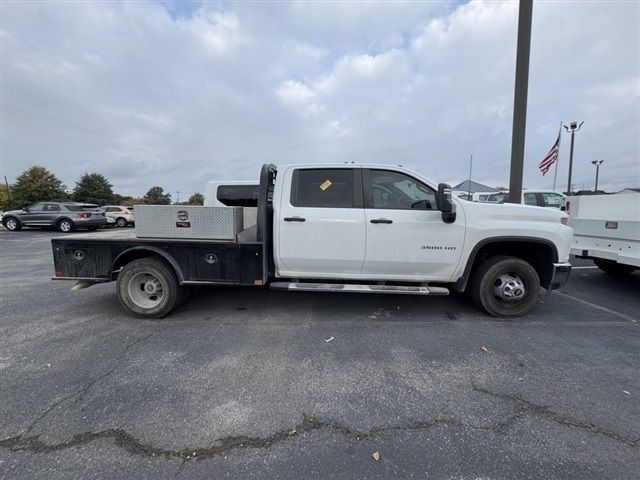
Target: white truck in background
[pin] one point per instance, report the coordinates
(234, 193)
(606, 230)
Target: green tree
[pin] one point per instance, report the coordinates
(4, 197)
(127, 200)
(93, 188)
(37, 184)
(156, 196)
(196, 199)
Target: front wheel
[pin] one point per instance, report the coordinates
(121, 222)
(12, 224)
(148, 288)
(505, 286)
(614, 268)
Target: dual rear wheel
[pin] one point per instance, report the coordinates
(149, 288)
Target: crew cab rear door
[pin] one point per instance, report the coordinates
(321, 225)
(406, 235)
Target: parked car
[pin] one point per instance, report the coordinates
(122, 215)
(65, 216)
(536, 198)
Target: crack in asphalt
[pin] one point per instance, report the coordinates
(82, 391)
(527, 407)
(123, 439)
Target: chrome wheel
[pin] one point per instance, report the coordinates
(11, 224)
(145, 290)
(121, 222)
(65, 226)
(509, 287)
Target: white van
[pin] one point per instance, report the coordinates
(234, 193)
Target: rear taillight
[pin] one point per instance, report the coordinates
(83, 215)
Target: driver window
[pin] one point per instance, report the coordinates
(395, 190)
(38, 207)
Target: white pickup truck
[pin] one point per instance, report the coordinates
(606, 230)
(342, 228)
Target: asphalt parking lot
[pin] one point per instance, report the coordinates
(244, 383)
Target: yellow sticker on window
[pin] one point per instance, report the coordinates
(326, 184)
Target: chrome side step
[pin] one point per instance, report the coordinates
(357, 288)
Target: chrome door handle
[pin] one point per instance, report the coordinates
(294, 219)
(381, 220)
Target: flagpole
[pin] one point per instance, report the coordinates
(470, 167)
(555, 172)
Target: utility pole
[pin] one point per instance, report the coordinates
(573, 128)
(597, 163)
(178, 200)
(8, 192)
(520, 100)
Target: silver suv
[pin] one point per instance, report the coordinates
(65, 216)
(122, 215)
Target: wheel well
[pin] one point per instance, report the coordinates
(60, 220)
(540, 255)
(137, 253)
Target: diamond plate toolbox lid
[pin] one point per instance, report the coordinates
(188, 221)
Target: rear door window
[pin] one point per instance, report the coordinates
(323, 188)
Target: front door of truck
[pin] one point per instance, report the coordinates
(321, 225)
(406, 235)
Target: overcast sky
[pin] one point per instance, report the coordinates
(176, 94)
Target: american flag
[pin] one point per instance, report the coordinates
(551, 157)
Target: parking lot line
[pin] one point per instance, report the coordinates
(599, 307)
(584, 268)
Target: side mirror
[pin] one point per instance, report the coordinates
(445, 203)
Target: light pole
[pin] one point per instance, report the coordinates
(523, 48)
(597, 163)
(573, 128)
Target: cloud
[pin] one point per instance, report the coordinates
(157, 94)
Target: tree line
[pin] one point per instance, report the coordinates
(37, 184)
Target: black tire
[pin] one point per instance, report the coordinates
(614, 268)
(121, 222)
(183, 296)
(65, 225)
(137, 298)
(12, 224)
(502, 276)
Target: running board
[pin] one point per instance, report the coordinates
(357, 288)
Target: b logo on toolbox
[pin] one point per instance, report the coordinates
(182, 222)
